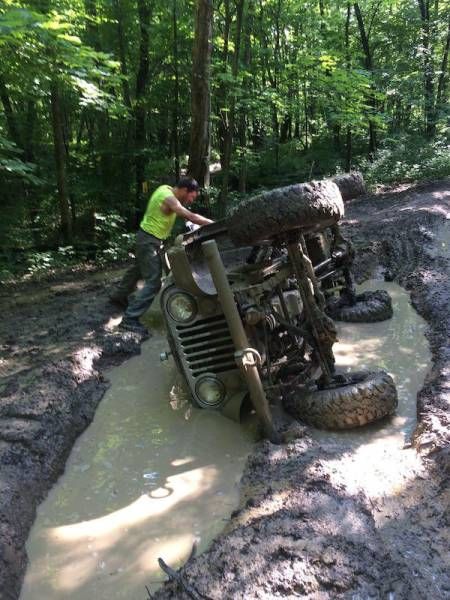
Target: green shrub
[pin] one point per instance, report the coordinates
(38, 263)
(112, 243)
(407, 159)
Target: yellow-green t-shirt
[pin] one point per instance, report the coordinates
(155, 221)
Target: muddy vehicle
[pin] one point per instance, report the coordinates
(246, 314)
(332, 257)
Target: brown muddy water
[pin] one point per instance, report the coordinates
(379, 460)
(151, 475)
(148, 478)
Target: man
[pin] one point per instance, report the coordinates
(165, 204)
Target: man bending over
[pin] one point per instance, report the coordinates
(165, 204)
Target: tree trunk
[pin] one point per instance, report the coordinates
(275, 123)
(305, 109)
(92, 35)
(175, 107)
(228, 146)
(122, 54)
(128, 127)
(32, 199)
(60, 163)
(348, 150)
(9, 114)
(348, 137)
(428, 71)
(441, 98)
(140, 113)
(223, 88)
(369, 66)
(199, 145)
(242, 113)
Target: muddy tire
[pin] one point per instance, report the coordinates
(304, 206)
(351, 185)
(370, 307)
(370, 397)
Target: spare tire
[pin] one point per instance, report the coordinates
(369, 307)
(370, 396)
(304, 206)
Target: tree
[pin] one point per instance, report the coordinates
(144, 12)
(229, 129)
(95, 106)
(199, 145)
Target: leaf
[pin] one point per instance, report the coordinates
(73, 39)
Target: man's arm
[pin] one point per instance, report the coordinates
(173, 205)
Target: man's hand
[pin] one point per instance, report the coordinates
(171, 204)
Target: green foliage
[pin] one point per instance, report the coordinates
(51, 45)
(112, 242)
(38, 263)
(408, 159)
(11, 165)
(303, 89)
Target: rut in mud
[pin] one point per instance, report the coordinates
(148, 477)
(304, 531)
(297, 531)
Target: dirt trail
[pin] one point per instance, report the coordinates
(299, 531)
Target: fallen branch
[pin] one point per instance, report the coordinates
(178, 577)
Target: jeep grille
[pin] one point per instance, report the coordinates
(207, 345)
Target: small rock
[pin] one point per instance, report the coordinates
(329, 557)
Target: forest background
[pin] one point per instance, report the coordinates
(103, 100)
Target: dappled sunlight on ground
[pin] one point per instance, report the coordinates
(113, 322)
(130, 538)
(146, 479)
(380, 468)
(190, 484)
(378, 461)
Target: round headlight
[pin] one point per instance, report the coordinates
(181, 307)
(210, 391)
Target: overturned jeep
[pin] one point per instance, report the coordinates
(246, 312)
(332, 257)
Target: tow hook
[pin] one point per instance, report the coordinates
(165, 355)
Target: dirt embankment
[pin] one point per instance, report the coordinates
(55, 340)
(300, 530)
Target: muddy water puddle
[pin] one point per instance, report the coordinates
(150, 475)
(378, 458)
(148, 478)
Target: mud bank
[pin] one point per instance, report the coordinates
(298, 532)
(55, 340)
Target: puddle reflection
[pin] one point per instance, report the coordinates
(143, 481)
(377, 460)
